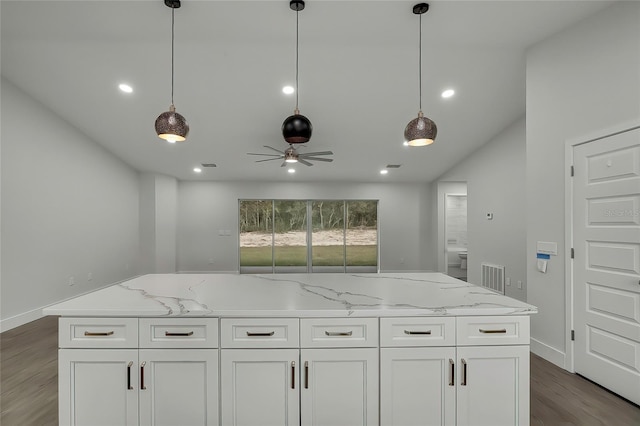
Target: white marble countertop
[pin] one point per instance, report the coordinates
(291, 295)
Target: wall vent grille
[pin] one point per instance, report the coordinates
(492, 277)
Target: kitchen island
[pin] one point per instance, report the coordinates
(289, 349)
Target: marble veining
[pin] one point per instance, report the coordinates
(292, 295)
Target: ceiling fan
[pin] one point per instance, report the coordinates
(291, 155)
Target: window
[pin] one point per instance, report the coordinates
(308, 236)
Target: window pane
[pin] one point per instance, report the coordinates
(362, 235)
(290, 236)
(256, 233)
(327, 238)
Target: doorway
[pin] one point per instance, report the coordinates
(452, 229)
(605, 271)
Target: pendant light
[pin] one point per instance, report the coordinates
(297, 128)
(420, 131)
(170, 125)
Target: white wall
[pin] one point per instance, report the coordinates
(495, 176)
(158, 222)
(582, 80)
(69, 209)
(205, 208)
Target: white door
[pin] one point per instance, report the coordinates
(606, 267)
(260, 387)
(98, 387)
(178, 387)
(493, 385)
(339, 387)
(417, 386)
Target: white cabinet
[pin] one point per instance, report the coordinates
(339, 387)
(493, 386)
(259, 387)
(417, 386)
(113, 372)
(98, 387)
(178, 387)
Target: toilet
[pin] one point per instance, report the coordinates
(463, 259)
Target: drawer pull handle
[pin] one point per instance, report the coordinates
(501, 331)
(413, 333)
(306, 374)
(170, 334)
(265, 334)
(98, 333)
(338, 333)
(129, 387)
(142, 386)
(293, 374)
(463, 382)
(452, 373)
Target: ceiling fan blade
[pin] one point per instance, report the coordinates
(328, 160)
(307, 154)
(284, 163)
(267, 159)
(306, 163)
(270, 155)
(276, 150)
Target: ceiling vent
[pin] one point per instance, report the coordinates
(393, 166)
(209, 165)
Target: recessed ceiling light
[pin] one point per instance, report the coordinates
(197, 170)
(288, 90)
(291, 170)
(125, 88)
(448, 93)
(384, 171)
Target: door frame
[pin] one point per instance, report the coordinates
(570, 144)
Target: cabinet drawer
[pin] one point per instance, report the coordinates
(339, 332)
(98, 332)
(259, 333)
(503, 330)
(417, 331)
(179, 333)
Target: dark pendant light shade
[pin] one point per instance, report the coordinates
(420, 131)
(170, 125)
(297, 128)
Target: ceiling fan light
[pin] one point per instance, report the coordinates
(420, 131)
(172, 126)
(297, 129)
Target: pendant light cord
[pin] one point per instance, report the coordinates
(172, 37)
(420, 62)
(297, 12)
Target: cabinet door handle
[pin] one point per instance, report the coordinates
(142, 386)
(129, 387)
(500, 331)
(170, 334)
(293, 374)
(463, 382)
(338, 333)
(411, 333)
(264, 334)
(452, 373)
(98, 333)
(306, 374)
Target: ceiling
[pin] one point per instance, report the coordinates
(358, 81)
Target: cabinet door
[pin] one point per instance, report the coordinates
(339, 387)
(98, 387)
(417, 386)
(493, 387)
(260, 387)
(178, 387)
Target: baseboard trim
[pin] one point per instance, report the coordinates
(549, 353)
